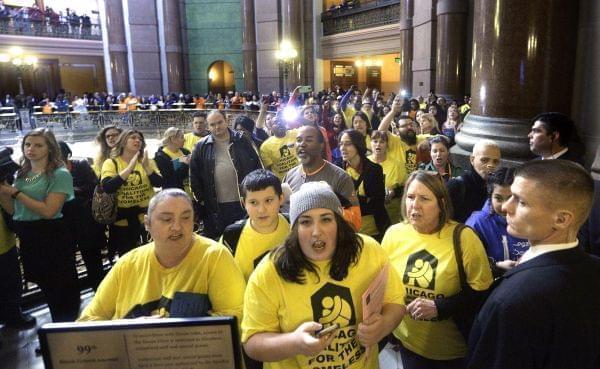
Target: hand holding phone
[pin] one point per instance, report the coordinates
(326, 331)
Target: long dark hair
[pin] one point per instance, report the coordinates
(291, 263)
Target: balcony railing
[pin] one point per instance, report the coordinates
(45, 28)
(360, 16)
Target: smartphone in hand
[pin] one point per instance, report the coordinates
(326, 331)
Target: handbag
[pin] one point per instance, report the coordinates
(104, 204)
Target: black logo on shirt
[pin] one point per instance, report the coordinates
(420, 270)
(333, 304)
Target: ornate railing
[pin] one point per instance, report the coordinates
(44, 28)
(361, 16)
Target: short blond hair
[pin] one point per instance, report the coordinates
(170, 133)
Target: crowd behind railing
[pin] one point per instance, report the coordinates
(33, 21)
(100, 107)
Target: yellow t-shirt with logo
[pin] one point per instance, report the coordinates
(279, 153)
(136, 191)
(190, 140)
(427, 266)
(395, 174)
(367, 225)
(7, 238)
(272, 304)
(253, 246)
(138, 285)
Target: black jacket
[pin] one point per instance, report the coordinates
(202, 168)
(468, 194)
(542, 315)
(172, 178)
(373, 203)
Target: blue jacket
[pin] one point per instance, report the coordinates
(491, 228)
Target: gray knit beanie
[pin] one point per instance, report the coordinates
(313, 195)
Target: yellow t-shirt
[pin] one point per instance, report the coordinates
(137, 190)
(7, 238)
(394, 175)
(428, 269)
(190, 140)
(272, 304)
(253, 246)
(404, 153)
(367, 225)
(279, 153)
(139, 285)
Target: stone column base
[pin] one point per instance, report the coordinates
(509, 133)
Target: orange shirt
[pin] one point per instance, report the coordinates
(199, 102)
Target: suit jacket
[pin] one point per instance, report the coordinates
(543, 314)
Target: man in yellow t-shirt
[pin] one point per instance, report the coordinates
(198, 131)
(251, 239)
(401, 147)
(278, 152)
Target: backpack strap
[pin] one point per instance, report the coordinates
(232, 233)
(458, 254)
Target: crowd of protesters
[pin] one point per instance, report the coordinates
(314, 197)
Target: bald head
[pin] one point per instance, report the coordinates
(485, 157)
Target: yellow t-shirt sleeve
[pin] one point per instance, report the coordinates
(260, 304)
(103, 305)
(266, 155)
(108, 169)
(226, 284)
(477, 267)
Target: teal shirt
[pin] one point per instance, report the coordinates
(38, 189)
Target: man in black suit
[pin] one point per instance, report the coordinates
(544, 313)
(554, 136)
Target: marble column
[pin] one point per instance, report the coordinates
(308, 74)
(291, 30)
(406, 46)
(173, 46)
(451, 45)
(523, 64)
(249, 45)
(117, 46)
(424, 40)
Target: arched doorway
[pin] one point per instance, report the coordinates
(221, 77)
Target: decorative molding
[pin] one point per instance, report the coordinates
(53, 46)
(361, 17)
(375, 40)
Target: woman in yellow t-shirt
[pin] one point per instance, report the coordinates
(173, 160)
(368, 183)
(422, 251)
(178, 268)
(315, 281)
(132, 175)
(393, 172)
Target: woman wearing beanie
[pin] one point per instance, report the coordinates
(314, 281)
